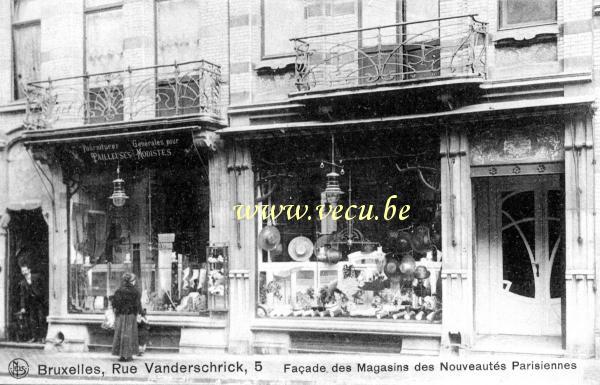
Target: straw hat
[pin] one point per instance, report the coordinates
(268, 238)
(300, 249)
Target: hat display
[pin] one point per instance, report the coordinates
(391, 268)
(277, 251)
(407, 265)
(333, 256)
(421, 272)
(400, 241)
(300, 249)
(421, 240)
(268, 238)
(323, 241)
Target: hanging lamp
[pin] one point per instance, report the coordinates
(332, 188)
(118, 196)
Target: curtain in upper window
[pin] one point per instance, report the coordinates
(178, 37)
(522, 13)
(26, 44)
(282, 20)
(104, 41)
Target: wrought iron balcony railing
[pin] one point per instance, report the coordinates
(429, 49)
(190, 88)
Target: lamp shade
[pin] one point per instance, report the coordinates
(118, 196)
(332, 189)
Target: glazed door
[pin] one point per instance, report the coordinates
(520, 256)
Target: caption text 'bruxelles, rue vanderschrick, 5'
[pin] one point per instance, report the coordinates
(298, 212)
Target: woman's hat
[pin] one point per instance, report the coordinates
(127, 278)
(333, 256)
(300, 249)
(323, 241)
(277, 251)
(407, 265)
(400, 241)
(421, 240)
(391, 268)
(268, 238)
(421, 272)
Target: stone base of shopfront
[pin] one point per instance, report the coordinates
(284, 336)
(82, 333)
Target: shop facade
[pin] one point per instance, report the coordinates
(127, 190)
(486, 137)
(459, 150)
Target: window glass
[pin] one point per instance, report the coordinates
(104, 41)
(378, 268)
(518, 243)
(515, 13)
(282, 20)
(178, 31)
(418, 10)
(100, 3)
(26, 45)
(26, 10)
(375, 13)
(160, 234)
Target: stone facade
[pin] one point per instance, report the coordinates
(552, 64)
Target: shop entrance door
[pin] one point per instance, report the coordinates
(27, 245)
(520, 256)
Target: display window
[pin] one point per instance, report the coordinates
(158, 229)
(364, 236)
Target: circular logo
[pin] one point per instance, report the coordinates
(18, 368)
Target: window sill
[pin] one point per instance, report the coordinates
(349, 325)
(16, 106)
(162, 320)
(525, 33)
(276, 64)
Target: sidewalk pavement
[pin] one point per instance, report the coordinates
(306, 369)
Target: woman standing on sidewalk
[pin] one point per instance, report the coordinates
(126, 305)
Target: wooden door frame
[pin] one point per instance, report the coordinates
(485, 243)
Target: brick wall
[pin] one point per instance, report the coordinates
(62, 43)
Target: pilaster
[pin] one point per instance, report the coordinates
(457, 242)
(579, 235)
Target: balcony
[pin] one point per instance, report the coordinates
(404, 54)
(150, 93)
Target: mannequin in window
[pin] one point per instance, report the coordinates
(33, 302)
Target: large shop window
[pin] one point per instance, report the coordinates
(377, 266)
(160, 234)
(524, 13)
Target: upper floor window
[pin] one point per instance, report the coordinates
(282, 20)
(26, 44)
(103, 53)
(398, 49)
(524, 13)
(178, 31)
(104, 40)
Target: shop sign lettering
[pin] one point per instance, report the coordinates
(131, 150)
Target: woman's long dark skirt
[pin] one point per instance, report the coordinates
(125, 341)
